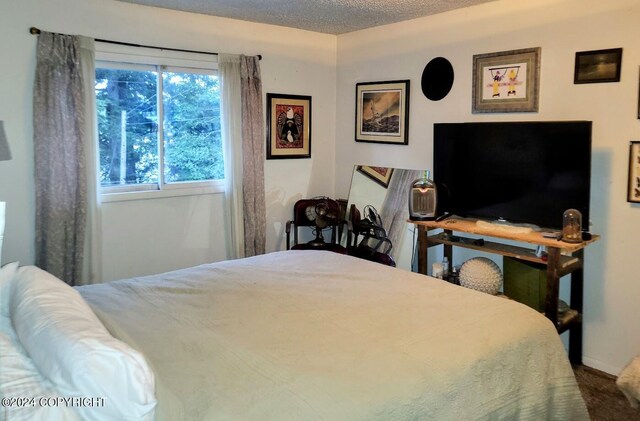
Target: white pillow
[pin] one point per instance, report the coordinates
(7, 273)
(19, 378)
(72, 348)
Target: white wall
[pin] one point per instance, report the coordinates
(155, 235)
(560, 28)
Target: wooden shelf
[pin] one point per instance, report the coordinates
(568, 265)
(567, 320)
(470, 226)
(562, 259)
(521, 253)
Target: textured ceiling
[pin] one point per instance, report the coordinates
(329, 16)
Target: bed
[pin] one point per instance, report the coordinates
(296, 335)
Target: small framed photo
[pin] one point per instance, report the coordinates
(381, 175)
(598, 66)
(288, 126)
(507, 81)
(633, 194)
(382, 112)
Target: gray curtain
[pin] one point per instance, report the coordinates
(252, 157)
(395, 208)
(60, 175)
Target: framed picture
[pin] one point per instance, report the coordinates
(381, 175)
(633, 194)
(598, 66)
(507, 81)
(382, 112)
(288, 126)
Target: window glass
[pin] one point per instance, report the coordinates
(126, 102)
(192, 139)
(138, 153)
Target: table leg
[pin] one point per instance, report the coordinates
(575, 331)
(553, 280)
(423, 262)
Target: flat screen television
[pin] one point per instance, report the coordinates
(518, 172)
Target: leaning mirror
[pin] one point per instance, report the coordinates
(386, 190)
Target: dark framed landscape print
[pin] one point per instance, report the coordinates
(288, 126)
(382, 112)
(598, 66)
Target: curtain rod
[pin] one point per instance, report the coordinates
(35, 31)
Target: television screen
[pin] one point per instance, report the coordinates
(520, 172)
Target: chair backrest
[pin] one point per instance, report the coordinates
(374, 245)
(305, 215)
(304, 211)
(354, 219)
(369, 226)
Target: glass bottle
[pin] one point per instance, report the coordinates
(445, 268)
(572, 226)
(422, 199)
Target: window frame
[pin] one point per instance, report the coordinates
(142, 58)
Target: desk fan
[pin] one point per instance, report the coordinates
(323, 216)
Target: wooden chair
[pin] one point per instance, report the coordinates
(373, 246)
(319, 214)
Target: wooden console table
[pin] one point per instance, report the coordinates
(562, 259)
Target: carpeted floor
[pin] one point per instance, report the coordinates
(604, 401)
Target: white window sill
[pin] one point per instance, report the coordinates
(160, 194)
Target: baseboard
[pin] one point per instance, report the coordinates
(590, 362)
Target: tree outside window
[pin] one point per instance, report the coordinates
(130, 137)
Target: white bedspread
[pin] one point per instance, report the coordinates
(316, 335)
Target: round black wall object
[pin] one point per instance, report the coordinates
(437, 78)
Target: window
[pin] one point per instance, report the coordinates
(158, 124)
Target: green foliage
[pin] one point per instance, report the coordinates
(132, 92)
(192, 140)
(193, 144)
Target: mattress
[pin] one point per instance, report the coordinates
(317, 335)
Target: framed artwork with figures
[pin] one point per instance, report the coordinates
(506, 81)
(288, 126)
